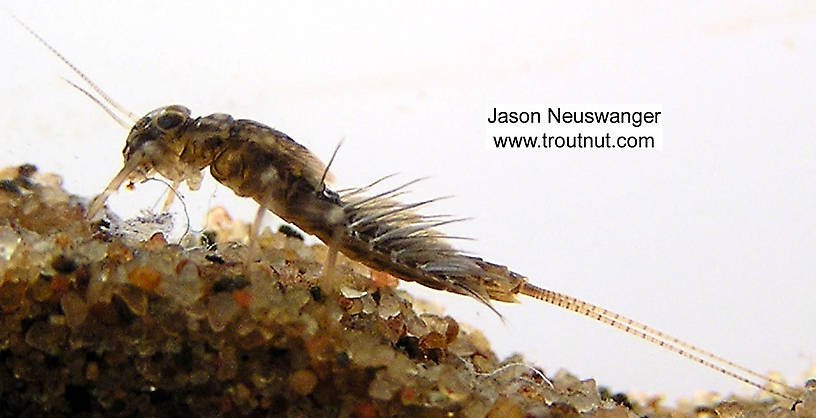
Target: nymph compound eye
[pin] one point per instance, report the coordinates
(170, 117)
(169, 121)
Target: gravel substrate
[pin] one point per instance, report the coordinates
(100, 320)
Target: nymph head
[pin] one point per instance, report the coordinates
(154, 145)
(157, 132)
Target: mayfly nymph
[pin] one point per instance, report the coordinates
(284, 177)
(256, 161)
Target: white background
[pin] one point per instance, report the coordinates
(710, 239)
